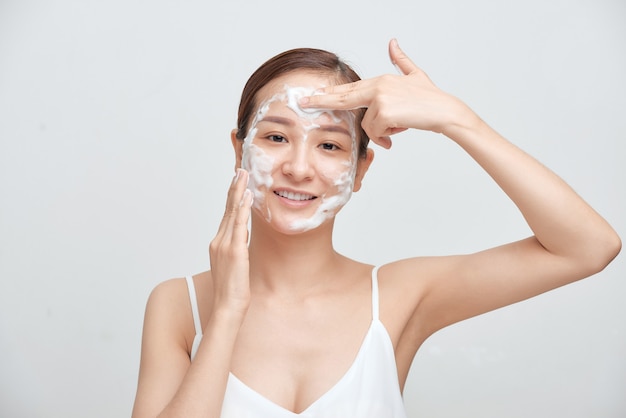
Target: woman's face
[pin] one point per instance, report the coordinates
(302, 163)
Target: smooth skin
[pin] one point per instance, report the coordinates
(286, 314)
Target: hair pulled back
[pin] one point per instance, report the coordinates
(315, 60)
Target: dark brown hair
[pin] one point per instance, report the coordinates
(314, 60)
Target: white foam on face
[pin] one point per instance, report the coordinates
(330, 203)
(294, 94)
(260, 165)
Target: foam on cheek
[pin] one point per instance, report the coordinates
(330, 203)
(258, 164)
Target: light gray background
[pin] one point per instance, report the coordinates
(115, 158)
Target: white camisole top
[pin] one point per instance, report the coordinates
(369, 389)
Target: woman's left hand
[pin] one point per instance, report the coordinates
(395, 103)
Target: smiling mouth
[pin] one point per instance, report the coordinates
(294, 196)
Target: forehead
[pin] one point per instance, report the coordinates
(281, 95)
(296, 79)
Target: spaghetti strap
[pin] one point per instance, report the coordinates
(375, 293)
(194, 305)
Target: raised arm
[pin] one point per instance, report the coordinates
(170, 385)
(570, 241)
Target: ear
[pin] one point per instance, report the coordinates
(238, 146)
(361, 168)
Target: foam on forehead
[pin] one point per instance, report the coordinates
(294, 94)
(291, 96)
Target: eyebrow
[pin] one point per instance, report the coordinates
(289, 122)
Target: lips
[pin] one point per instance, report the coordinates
(296, 196)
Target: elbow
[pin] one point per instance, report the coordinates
(605, 250)
(614, 247)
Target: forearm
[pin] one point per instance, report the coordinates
(562, 222)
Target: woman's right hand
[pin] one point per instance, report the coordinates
(228, 251)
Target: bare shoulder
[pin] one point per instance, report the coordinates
(168, 306)
(411, 277)
(170, 300)
(168, 329)
(168, 334)
(168, 296)
(404, 283)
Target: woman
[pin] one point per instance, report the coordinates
(283, 324)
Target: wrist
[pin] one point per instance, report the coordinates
(229, 315)
(463, 121)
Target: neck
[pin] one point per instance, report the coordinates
(294, 263)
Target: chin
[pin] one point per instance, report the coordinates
(297, 226)
(289, 223)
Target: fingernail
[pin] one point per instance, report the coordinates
(304, 100)
(237, 175)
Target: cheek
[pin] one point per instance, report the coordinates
(259, 166)
(333, 174)
(340, 174)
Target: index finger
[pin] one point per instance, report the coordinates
(340, 97)
(400, 59)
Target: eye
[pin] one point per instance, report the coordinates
(329, 147)
(276, 138)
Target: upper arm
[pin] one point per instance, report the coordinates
(164, 349)
(454, 288)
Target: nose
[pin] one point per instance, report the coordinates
(298, 164)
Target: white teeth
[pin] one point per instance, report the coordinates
(294, 196)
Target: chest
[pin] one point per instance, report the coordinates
(294, 355)
(368, 389)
